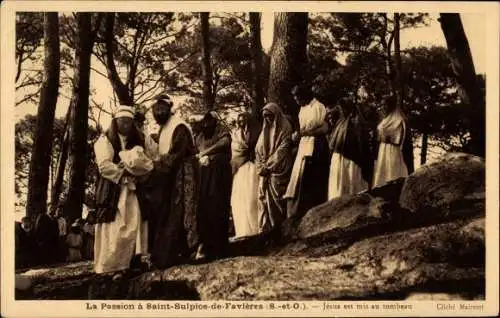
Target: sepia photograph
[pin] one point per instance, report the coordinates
(262, 160)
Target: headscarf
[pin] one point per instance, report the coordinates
(350, 139)
(388, 129)
(243, 141)
(273, 134)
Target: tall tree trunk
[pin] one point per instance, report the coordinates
(119, 87)
(400, 91)
(423, 153)
(397, 58)
(288, 60)
(61, 162)
(79, 119)
(463, 67)
(206, 66)
(42, 144)
(256, 49)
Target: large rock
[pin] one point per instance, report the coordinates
(427, 260)
(452, 187)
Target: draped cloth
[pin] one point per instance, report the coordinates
(118, 238)
(311, 116)
(273, 153)
(390, 164)
(171, 192)
(245, 179)
(351, 166)
(308, 184)
(215, 181)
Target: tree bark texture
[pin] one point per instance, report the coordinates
(206, 65)
(423, 152)
(61, 162)
(463, 67)
(42, 144)
(79, 119)
(121, 90)
(256, 49)
(288, 60)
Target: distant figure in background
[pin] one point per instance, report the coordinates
(308, 184)
(150, 144)
(393, 160)
(75, 242)
(24, 243)
(121, 231)
(351, 167)
(88, 236)
(46, 237)
(171, 189)
(214, 145)
(245, 178)
(63, 231)
(274, 162)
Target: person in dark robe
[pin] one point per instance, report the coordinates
(214, 145)
(351, 166)
(47, 238)
(24, 243)
(171, 189)
(308, 186)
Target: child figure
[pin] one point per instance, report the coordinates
(75, 243)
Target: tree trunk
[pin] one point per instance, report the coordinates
(423, 153)
(206, 66)
(256, 49)
(288, 60)
(397, 57)
(61, 162)
(120, 89)
(463, 67)
(42, 144)
(79, 119)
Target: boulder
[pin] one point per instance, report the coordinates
(452, 187)
(391, 266)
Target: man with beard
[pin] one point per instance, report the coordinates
(171, 189)
(214, 145)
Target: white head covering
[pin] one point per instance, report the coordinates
(125, 111)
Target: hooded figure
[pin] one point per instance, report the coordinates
(274, 163)
(245, 178)
(393, 161)
(351, 166)
(214, 146)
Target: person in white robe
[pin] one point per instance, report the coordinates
(245, 178)
(393, 134)
(121, 231)
(310, 169)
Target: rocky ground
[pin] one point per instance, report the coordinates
(417, 238)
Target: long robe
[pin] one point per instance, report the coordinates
(245, 181)
(214, 195)
(117, 237)
(351, 166)
(172, 194)
(308, 184)
(273, 153)
(391, 164)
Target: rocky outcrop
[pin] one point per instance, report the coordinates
(416, 238)
(451, 187)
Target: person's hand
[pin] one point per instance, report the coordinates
(204, 161)
(295, 136)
